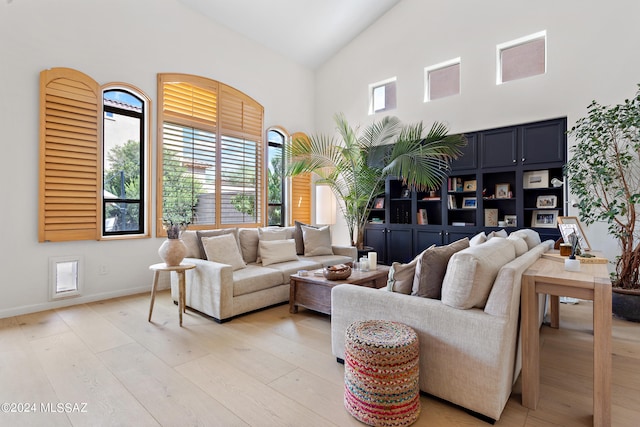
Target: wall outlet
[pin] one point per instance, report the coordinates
(103, 270)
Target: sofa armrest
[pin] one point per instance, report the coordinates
(349, 251)
(209, 287)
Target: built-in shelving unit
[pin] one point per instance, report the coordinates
(502, 180)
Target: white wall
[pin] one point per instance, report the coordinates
(115, 40)
(592, 54)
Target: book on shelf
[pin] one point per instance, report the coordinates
(455, 184)
(452, 202)
(422, 217)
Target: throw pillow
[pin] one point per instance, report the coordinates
(223, 249)
(478, 239)
(210, 233)
(472, 271)
(317, 241)
(268, 234)
(275, 251)
(297, 236)
(530, 236)
(501, 233)
(248, 240)
(519, 244)
(400, 276)
(190, 239)
(431, 268)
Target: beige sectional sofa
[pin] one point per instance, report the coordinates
(469, 350)
(252, 279)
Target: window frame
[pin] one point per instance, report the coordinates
(500, 48)
(232, 115)
(283, 182)
(145, 173)
(391, 82)
(441, 66)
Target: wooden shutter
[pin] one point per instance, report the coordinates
(70, 153)
(300, 192)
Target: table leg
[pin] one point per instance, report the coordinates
(601, 355)
(154, 285)
(554, 309)
(293, 308)
(181, 294)
(530, 344)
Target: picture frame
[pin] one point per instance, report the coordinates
(511, 220)
(571, 224)
(469, 203)
(406, 193)
(470, 185)
(546, 201)
(491, 217)
(502, 191)
(544, 218)
(535, 179)
(378, 203)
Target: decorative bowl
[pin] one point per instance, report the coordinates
(336, 272)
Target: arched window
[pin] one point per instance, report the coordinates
(276, 213)
(124, 162)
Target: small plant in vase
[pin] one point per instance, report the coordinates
(173, 250)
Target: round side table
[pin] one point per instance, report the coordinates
(179, 269)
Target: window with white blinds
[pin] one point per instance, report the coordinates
(210, 161)
(524, 57)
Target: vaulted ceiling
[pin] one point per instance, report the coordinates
(307, 31)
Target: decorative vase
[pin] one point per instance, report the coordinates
(172, 251)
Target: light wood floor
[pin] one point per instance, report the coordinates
(269, 368)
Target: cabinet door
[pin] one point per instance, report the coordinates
(426, 238)
(469, 157)
(399, 245)
(498, 147)
(452, 236)
(376, 237)
(543, 142)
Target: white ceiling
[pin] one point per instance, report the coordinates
(307, 31)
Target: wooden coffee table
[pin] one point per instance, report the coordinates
(314, 292)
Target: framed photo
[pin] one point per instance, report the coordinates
(470, 185)
(378, 203)
(511, 220)
(571, 224)
(468, 202)
(406, 193)
(535, 179)
(547, 202)
(502, 191)
(544, 219)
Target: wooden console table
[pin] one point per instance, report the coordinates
(592, 282)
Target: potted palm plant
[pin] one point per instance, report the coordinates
(356, 165)
(604, 173)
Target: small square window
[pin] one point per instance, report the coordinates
(522, 58)
(382, 96)
(442, 80)
(64, 276)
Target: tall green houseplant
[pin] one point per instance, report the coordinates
(604, 173)
(356, 163)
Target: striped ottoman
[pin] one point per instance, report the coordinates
(381, 373)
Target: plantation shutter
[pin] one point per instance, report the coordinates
(70, 153)
(241, 158)
(300, 192)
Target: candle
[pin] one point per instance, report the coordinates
(373, 260)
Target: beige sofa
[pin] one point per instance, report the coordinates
(223, 291)
(468, 356)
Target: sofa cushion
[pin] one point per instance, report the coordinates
(317, 241)
(472, 271)
(400, 276)
(190, 239)
(274, 251)
(327, 260)
(431, 268)
(497, 233)
(248, 240)
(519, 244)
(287, 268)
(297, 236)
(211, 233)
(223, 249)
(530, 236)
(478, 239)
(269, 234)
(255, 278)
